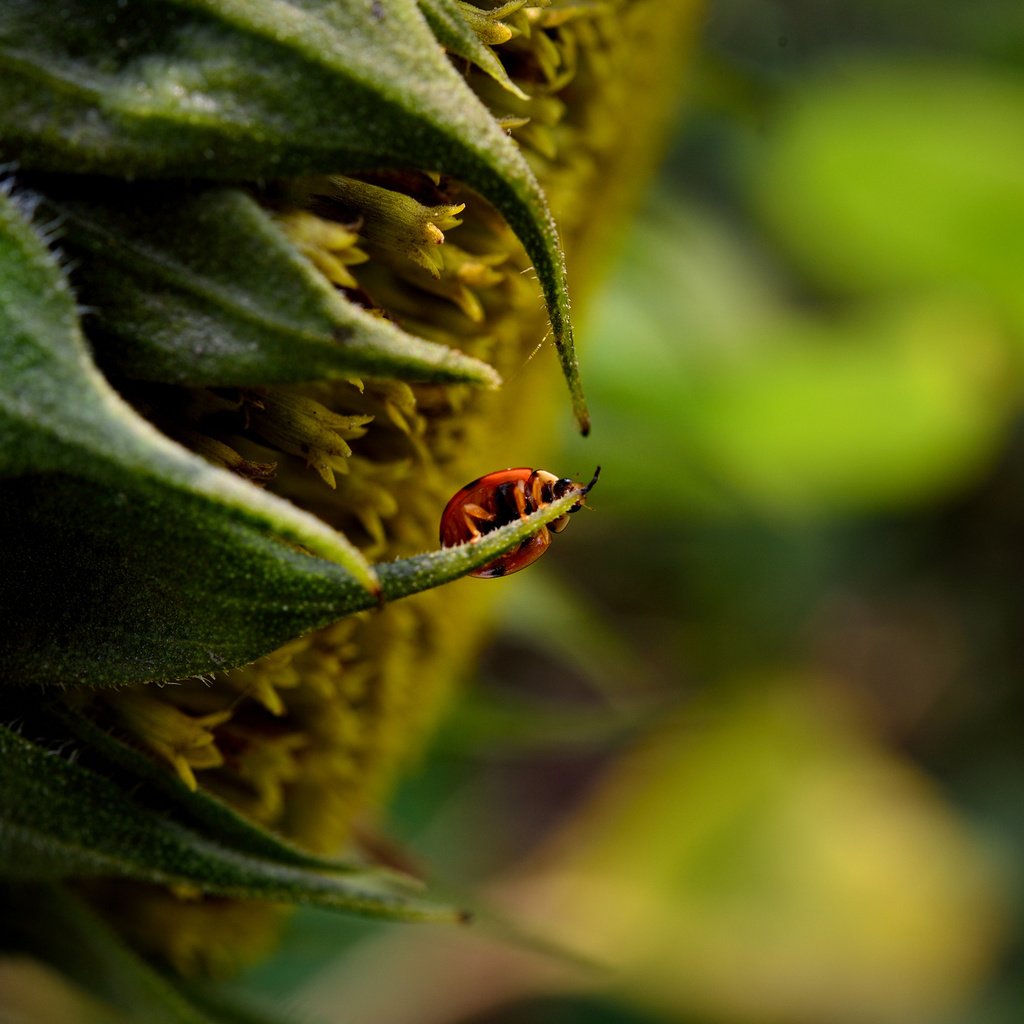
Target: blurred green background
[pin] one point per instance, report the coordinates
(751, 734)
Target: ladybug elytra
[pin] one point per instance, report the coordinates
(500, 498)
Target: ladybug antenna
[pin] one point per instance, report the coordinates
(593, 480)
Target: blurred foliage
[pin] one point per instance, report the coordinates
(752, 733)
(774, 865)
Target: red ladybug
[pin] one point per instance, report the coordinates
(500, 498)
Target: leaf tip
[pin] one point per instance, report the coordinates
(564, 342)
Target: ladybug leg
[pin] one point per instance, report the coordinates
(559, 524)
(519, 497)
(537, 498)
(471, 514)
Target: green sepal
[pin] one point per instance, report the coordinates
(203, 288)
(61, 423)
(61, 820)
(256, 89)
(101, 586)
(458, 37)
(145, 594)
(112, 531)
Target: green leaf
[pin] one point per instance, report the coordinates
(62, 820)
(192, 287)
(457, 36)
(143, 584)
(880, 410)
(59, 929)
(152, 589)
(251, 89)
(58, 415)
(165, 566)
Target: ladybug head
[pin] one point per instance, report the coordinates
(565, 485)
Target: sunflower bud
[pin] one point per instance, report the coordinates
(293, 311)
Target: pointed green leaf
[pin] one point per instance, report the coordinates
(58, 414)
(261, 88)
(102, 585)
(191, 287)
(61, 820)
(458, 37)
(94, 499)
(59, 929)
(153, 589)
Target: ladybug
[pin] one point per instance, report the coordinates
(500, 498)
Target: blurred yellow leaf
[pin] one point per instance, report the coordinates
(35, 994)
(773, 863)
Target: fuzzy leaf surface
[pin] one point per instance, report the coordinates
(58, 414)
(251, 89)
(60, 820)
(104, 518)
(203, 288)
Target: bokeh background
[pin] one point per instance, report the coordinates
(747, 746)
